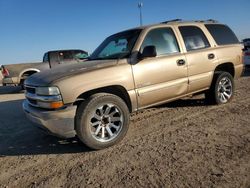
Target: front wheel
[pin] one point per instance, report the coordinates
(102, 120)
(222, 89)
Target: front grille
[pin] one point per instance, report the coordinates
(30, 89)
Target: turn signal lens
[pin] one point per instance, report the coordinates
(50, 105)
(57, 104)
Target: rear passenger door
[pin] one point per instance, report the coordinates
(201, 58)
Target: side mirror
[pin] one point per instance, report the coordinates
(148, 51)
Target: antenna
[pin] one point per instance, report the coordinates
(140, 5)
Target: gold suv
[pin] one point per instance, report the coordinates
(133, 70)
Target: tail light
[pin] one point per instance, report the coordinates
(5, 71)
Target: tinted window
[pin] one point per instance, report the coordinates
(163, 39)
(222, 34)
(246, 40)
(194, 38)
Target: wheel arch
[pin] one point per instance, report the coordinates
(117, 90)
(28, 72)
(226, 67)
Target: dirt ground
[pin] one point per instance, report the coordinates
(181, 144)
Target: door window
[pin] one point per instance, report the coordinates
(163, 39)
(194, 38)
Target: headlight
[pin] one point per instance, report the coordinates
(44, 97)
(47, 91)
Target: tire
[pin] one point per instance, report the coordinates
(102, 121)
(221, 90)
(22, 84)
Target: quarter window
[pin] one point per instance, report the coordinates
(163, 39)
(194, 38)
(222, 34)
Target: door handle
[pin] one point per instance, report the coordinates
(181, 62)
(211, 56)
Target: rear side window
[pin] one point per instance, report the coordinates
(194, 38)
(222, 34)
(163, 39)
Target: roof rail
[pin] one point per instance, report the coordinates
(174, 20)
(201, 21)
(209, 20)
(212, 20)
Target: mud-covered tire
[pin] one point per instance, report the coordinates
(221, 90)
(102, 120)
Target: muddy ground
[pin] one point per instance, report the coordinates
(181, 144)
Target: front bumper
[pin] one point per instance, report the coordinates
(59, 123)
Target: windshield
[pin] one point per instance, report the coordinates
(116, 46)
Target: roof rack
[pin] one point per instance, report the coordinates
(174, 20)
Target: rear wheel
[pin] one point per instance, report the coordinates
(102, 120)
(222, 89)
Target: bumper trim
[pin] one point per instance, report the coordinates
(59, 123)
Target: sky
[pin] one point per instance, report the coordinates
(29, 28)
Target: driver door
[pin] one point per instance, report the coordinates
(164, 77)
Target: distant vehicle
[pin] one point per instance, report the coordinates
(246, 43)
(1, 75)
(247, 57)
(15, 74)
